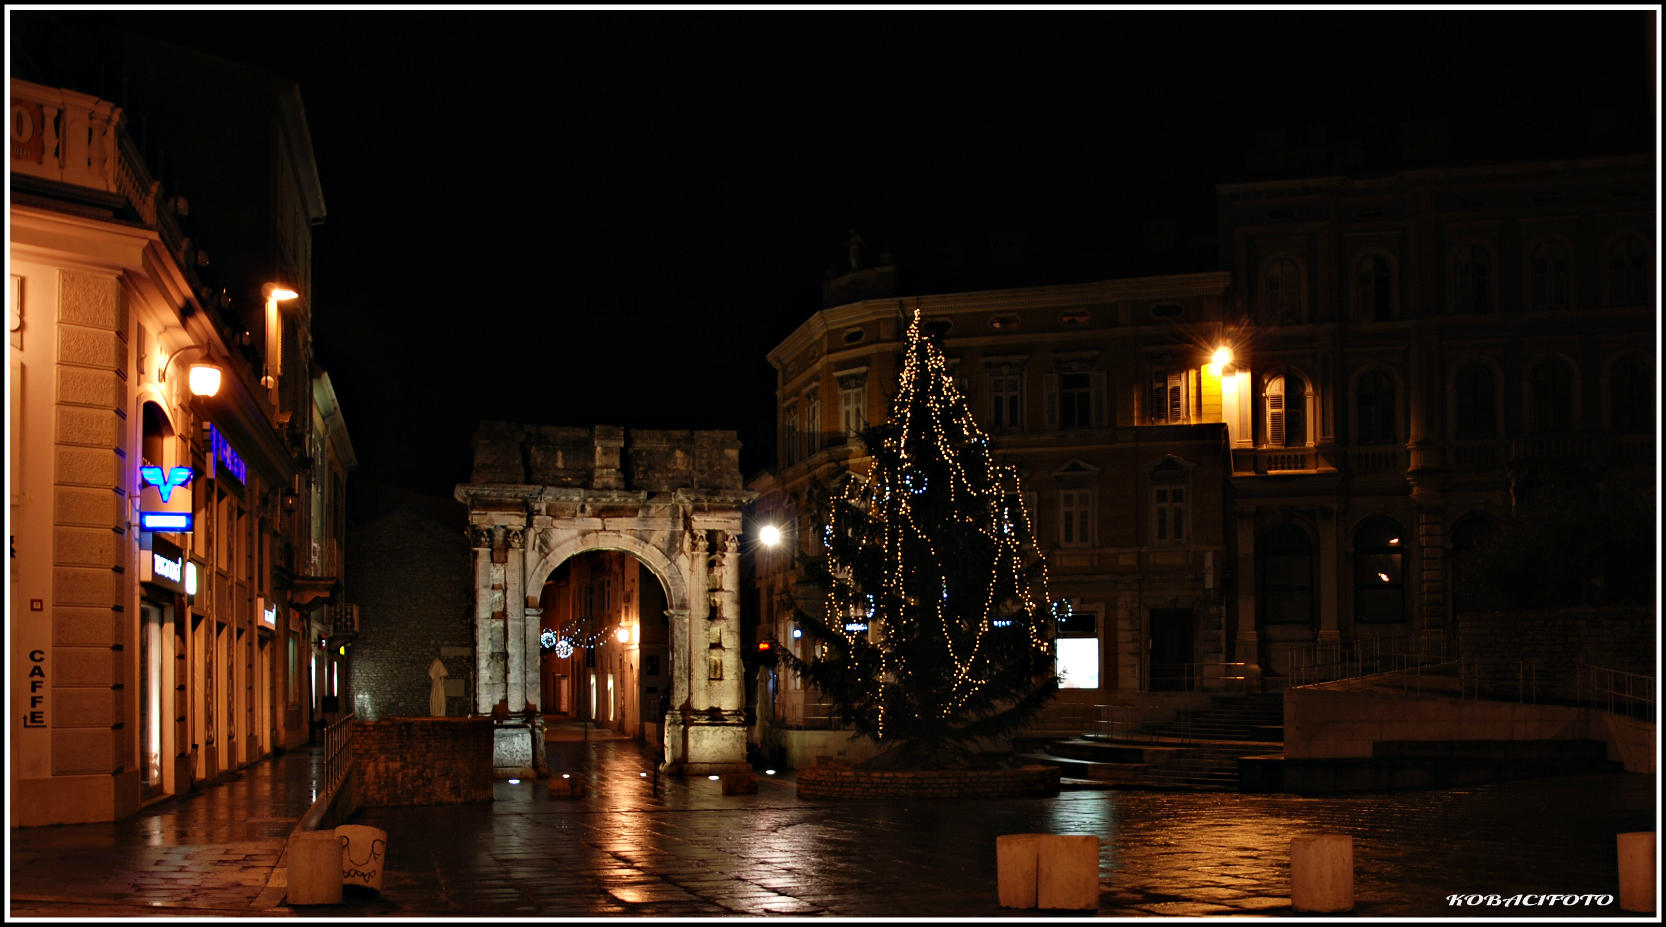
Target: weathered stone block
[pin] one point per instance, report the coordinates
(1322, 874)
(91, 347)
(91, 427)
(1067, 872)
(91, 299)
(88, 467)
(1016, 858)
(92, 507)
(1637, 871)
(315, 868)
(85, 626)
(83, 751)
(83, 386)
(91, 707)
(87, 547)
(86, 586)
(85, 666)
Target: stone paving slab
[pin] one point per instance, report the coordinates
(693, 852)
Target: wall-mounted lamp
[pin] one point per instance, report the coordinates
(624, 634)
(274, 332)
(291, 500)
(1223, 356)
(770, 535)
(204, 377)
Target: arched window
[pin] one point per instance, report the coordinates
(1472, 279)
(1379, 578)
(1628, 272)
(1287, 576)
(1477, 395)
(1548, 275)
(1284, 286)
(1375, 290)
(1552, 397)
(1467, 537)
(156, 431)
(1630, 398)
(1287, 411)
(1374, 397)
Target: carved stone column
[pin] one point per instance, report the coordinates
(1328, 580)
(488, 686)
(514, 632)
(676, 733)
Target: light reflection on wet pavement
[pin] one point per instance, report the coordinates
(693, 852)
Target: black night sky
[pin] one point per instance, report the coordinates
(575, 218)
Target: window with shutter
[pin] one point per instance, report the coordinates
(812, 421)
(1375, 402)
(1075, 529)
(851, 402)
(1075, 402)
(1005, 402)
(1099, 412)
(1628, 277)
(1275, 412)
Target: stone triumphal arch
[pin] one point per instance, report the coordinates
(538, 495)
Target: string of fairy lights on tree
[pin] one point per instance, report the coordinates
(936, 602)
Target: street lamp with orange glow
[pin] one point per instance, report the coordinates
(204, 378)
(274, 340)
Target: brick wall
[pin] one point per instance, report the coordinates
(1614, 637)
(845, 782)
(410, 578)
(424, 761)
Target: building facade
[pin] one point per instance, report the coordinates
(155, 642)
(1108, 399)
(1225, 468)
(1424, 351)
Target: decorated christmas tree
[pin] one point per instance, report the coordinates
(935, 628)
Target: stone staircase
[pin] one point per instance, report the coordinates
(1198, 752)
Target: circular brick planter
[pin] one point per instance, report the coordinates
(846, 782)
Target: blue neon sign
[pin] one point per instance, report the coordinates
(165, 485)
(165, 521)
(224, 456)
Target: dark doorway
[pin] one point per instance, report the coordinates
(1172, 669)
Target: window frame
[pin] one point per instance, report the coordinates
(1531, 283)
(1265, 587)
(1609, 395)
(1530, 383)
(1013, 399)
(1455, 394)
(1281, 376)
(1644, 272)
(1357, 407)
(1365, 259)
(1271, 311)
(1396, 584)
(1460, 305)
(1079, 502)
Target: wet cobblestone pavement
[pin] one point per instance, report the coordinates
(693, 852)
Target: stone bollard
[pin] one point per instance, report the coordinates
(1637, 854)
(364, 852)
(1049, 871)
(1322, 874)
(1067, 873)
(315, 868)
(1016, 857)
(741, 783)
(566, 785)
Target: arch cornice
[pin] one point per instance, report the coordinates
(571, 541)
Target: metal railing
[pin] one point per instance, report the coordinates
(1122, 722)
(318, 557)
(1196, 677)
(1313, 664)
(338, 752)
(1629, 694)
(1067, 716)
